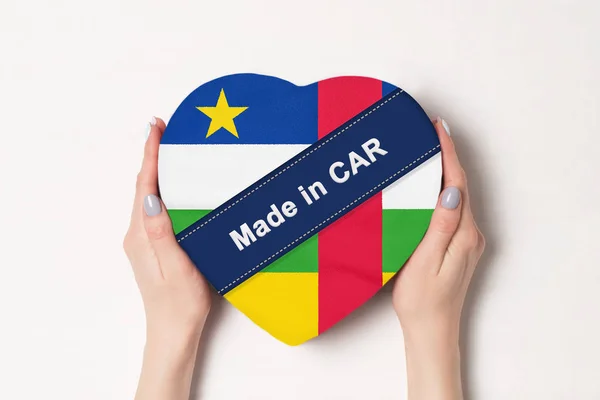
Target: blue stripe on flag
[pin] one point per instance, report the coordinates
(278, 112)
(387, 88)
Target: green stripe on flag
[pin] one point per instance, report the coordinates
(304, 258)
(402, 232)
(183, 218)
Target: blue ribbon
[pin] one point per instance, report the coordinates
(228, 254)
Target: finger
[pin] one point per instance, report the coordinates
(454, 173)
(150, 161)
(147, 179)
(161, 124)
(444, 224)
(465, 237)
(466, 233)
(159, 230)
(446, 217)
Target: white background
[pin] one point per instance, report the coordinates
(517, 81)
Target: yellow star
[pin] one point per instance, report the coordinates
(222, 115)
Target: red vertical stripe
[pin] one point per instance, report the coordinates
(349, 249)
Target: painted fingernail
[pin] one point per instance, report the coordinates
(149, 128)
(147, 132)
(152, 205)
(445, 125)
(450, 198)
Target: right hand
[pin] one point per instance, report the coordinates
(431, 287)
(430, 290)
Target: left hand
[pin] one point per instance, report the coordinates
(176, 296)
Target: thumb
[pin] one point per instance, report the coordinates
(446, 216)
(444, 223)
(160, 231)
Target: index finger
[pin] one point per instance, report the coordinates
(453, 172)
(147, 179)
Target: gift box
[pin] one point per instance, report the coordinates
(298, 203)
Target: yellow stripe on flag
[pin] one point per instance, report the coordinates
(386, 276)
(283, 304)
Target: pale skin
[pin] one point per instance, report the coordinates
(428, 294)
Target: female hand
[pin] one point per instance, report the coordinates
(176, 297)
(429, 293)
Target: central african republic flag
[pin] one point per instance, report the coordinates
(238, 128)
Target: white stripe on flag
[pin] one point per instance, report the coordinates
(205, 176)
(417, 189)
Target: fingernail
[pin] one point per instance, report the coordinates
(450, 198)
(445, 125)
(152, 205)
(147, 132)
(149, 128)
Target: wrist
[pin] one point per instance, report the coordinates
(175, 344)
(433, 362)
(438, 329)
(432, 353)
(172, 344)
(168, 365)
(174, 333)
(170, 359)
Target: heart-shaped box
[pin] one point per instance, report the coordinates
(231, 132)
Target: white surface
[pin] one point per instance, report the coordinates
(517, 81)
(219, 172)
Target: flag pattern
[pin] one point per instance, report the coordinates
(238, 128)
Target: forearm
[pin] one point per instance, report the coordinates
(167, 369)
(433, 367)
